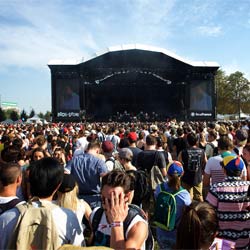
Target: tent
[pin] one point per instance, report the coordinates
(35, 119)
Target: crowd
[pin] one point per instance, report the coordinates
(110, 185)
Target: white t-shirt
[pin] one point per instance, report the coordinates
(69, 230)
(107, 230)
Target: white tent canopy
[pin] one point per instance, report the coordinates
(36, 119)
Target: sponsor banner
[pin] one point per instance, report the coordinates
(68, 115)
(198, 114)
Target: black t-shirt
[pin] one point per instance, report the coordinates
(193, 164)
(147, 158)
(180, 143)
(135, 151)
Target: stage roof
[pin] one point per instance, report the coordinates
(128, 47)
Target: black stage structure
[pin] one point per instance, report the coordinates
(133, 82)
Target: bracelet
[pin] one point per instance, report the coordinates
(116, 224)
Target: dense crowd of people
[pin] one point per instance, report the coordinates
(105, 184)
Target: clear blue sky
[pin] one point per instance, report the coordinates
(34, 32)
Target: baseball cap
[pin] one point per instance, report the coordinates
(233, 163)
(68, 183)
(107, 146)
(132, 136)
(174, 168)
(125, 153)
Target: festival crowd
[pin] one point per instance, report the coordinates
(125, 185)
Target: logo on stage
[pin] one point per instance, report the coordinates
(68, 114)
(201, 114)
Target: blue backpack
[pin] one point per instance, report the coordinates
(165, 209)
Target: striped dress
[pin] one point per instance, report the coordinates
(233, 209)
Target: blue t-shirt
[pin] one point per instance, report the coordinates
(87, 169)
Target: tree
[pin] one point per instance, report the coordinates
(47, 116)
(24, 115)
(239, 89)
(41, 115)
(222, 93)
(2, 115)
(14, 115)
(233, 92)
(32, 113)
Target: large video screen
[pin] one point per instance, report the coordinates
(201, 95)
(67, 95)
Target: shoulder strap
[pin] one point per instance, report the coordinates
(97, 218)
(156, 158)
(132, 212)
(6, 206)
(179, 191)
(211, 144)
(162, 187)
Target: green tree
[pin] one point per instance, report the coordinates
(41, 115)
(24, 115)
(32, 113)
(14, 115)
(2, 115)
(47, 116)
(222, 93)
(239, 89)
(233, 92)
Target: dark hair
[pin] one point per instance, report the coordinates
(45, 176)
(117, 178)
(225, 143)
(9, 171)
(39, 149)
(124, 143)
(12, 154)
(18, 142)
(180, 131)
(151, 140)
(198, 226)
(40, 140)
(192, 139)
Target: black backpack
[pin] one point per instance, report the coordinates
(6, 206)
(141, 186)
(101, 239)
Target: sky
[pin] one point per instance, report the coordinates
(33, 32)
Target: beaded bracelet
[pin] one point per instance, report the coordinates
(116, 224)
(113, 224)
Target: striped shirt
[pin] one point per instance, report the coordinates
(214, 169)
(233, 210)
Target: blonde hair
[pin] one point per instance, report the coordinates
(69, 199)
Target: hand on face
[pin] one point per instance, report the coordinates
(116, 207)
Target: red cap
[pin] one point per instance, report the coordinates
(107, 147)
(132, 136)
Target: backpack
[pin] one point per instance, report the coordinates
(215, 149)
(141, 186)
(155, 176)
(116, 164)
(6, 206)
(166, 209)
(35, 228)
(101, 239)
(194, 159)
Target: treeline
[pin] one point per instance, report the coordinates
(15, 116)
(233, 93)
